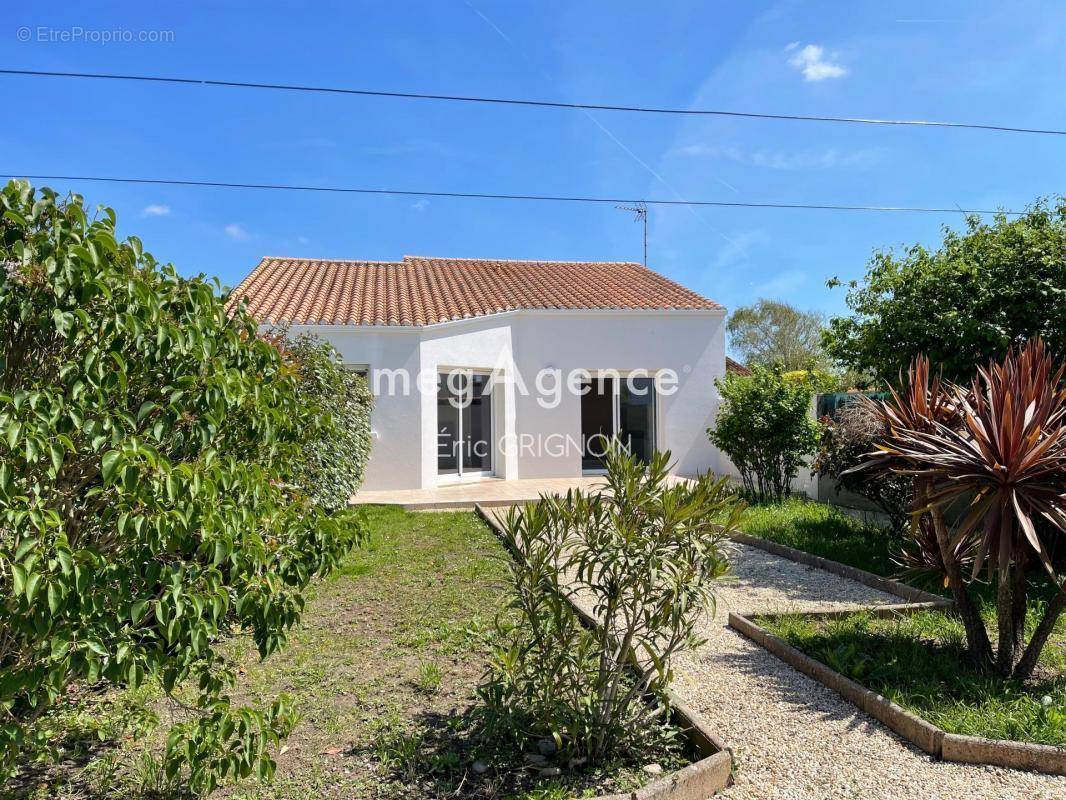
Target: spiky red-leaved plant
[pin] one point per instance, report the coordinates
(998, 446)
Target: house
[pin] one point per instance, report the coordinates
(510, 369)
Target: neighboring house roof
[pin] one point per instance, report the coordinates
(424, 291)
(736, 366)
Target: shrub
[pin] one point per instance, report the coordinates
(764, 428)
(997, 447)
(333, 458)
(146, 509)
(641, 557)
(846, 440)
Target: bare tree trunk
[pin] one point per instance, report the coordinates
(1040, 636)
(1005, 622)
(1020, 596)
(978, 646)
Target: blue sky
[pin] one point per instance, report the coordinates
(985, 62)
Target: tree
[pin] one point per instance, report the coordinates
(148, 444)
(984, 289)
(773, 333)
(764, 428)
(995, 447)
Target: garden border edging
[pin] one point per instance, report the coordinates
(697, 781)
(930, 738)
(874, 581)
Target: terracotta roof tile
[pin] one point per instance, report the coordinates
(736, 366)
(424, 291)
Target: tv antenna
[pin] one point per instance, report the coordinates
(641, 211)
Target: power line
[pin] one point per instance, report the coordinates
(488, 196)
(509, 101)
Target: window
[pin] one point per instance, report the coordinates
(617, 408)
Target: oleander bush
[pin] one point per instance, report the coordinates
(642, 558)
(147, 505)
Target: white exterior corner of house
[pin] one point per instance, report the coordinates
(530, 429)
(517, 346)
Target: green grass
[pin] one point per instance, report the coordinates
(383, 668)
(822, 530)
(918, 661)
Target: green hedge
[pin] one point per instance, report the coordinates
(764, 427)
(147, 508)
(334, 458)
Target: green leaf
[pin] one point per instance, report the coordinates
(55, 453)
(55, 597)
(137, 611)
(109, 463)
(25, 546)
(18, 578)
(12, 434)
(146, 408)
(32, 581)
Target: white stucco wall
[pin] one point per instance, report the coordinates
(690, 343)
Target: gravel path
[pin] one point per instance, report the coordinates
(793, 739)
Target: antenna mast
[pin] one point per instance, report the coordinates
(641, 211)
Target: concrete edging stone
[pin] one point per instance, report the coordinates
(930, 738)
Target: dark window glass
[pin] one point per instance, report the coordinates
(447, 427)
(636, 416)
(597, 421)
(477, 425)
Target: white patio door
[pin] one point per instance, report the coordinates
(464, 425)
(617, 408)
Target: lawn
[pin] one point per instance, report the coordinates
(918, 661)
(383, 668)
(822, 530)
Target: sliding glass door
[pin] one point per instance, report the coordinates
(597, 421)
(621, 408)
(636, 416)
(464, 425)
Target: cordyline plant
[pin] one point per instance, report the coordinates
(147, 511)
(640, 556)
(996, 447)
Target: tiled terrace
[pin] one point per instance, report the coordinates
(489, 492)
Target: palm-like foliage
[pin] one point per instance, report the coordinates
(998, 447)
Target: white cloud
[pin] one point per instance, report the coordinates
(155, 210)
(812, 62)
(420, 205)
(237, 233)
(303, 240)
(823, 159)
